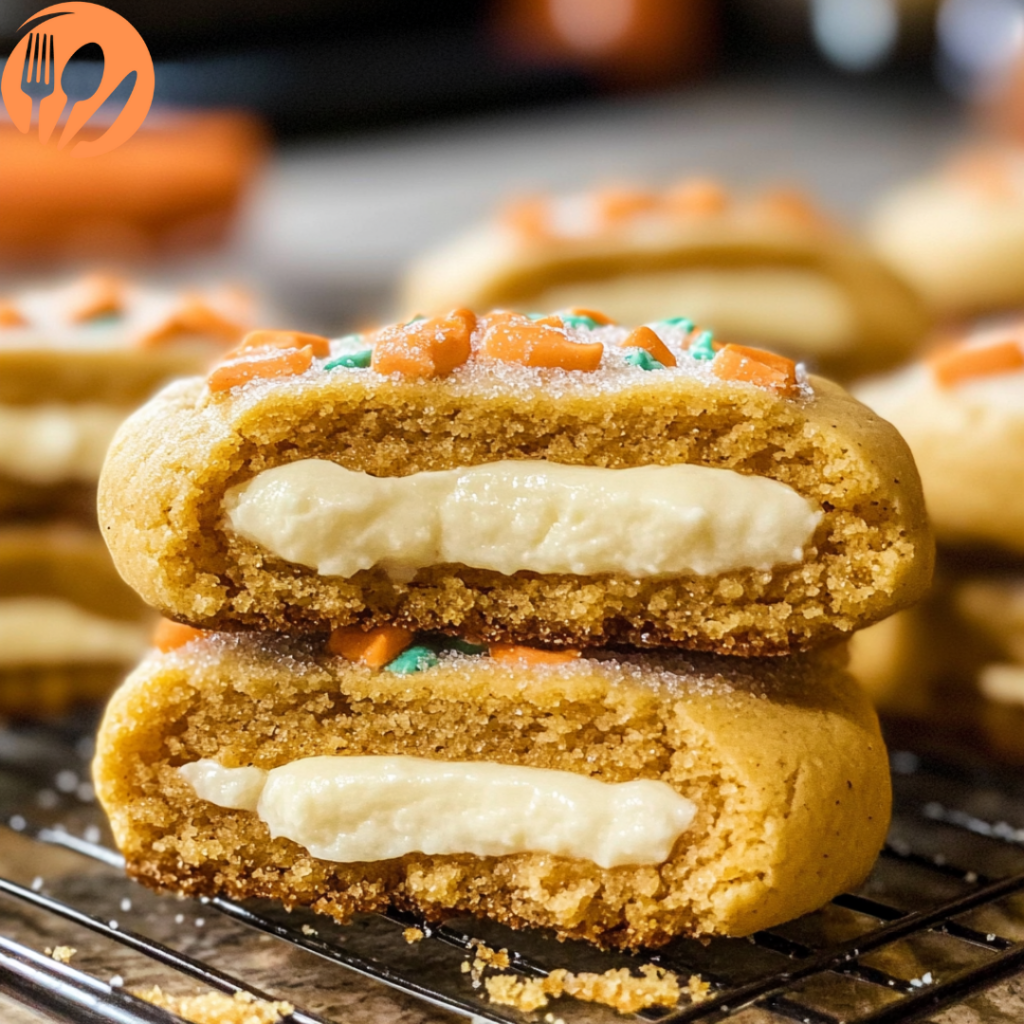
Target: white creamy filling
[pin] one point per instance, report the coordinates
(796, 308)
(371, 808)
(49, 444)
(52, 631)
(524, 515)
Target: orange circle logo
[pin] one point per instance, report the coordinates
(32, 75)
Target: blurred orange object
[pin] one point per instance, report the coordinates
(174, 185)
(628, 42)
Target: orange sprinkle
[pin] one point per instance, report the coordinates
(168, 635)
(617, 203)
(284, 363)
(515, 654)
(425, 348)
(10, 316)
(193, 317)
(527, 217)
(374, 647)
(793, 205)
(96, 295)
(986, 173)
(696, 196)
(595, 315)
(512, 338)
(756, 366)
(953, 365)
(320, 345)
(645, 338)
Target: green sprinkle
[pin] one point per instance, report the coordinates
(103, 319)
(413, 659)
(358, 360)
(464, 646)
(702, 347)
(679, 321)
(537, 316)
(576, 320)
(642, 358)
(418, 316)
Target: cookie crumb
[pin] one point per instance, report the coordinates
(618, 989)
(217, 1007)
(484, 957)
(413, 935)
(308, 929)
(62, 954)
(698, 989)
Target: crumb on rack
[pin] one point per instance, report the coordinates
(62, 954)
(217, 1007)
(484, 957)
(308, 929)
(413, 935)
(618, 989)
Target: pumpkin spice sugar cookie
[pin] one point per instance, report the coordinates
(76, 359)
(961, 410)
(767, 269)
(619, 797)
(958, 234)
(560, 480)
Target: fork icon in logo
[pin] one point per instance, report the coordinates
(37, 80)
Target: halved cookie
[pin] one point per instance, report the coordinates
(453, 475)
(620, 797)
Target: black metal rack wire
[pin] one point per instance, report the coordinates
(940, 919)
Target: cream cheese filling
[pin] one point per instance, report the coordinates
(524, 515)
(371, 808)
(52, 631)
(49, 444)
(790, 307)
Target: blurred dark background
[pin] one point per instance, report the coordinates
(338, 65)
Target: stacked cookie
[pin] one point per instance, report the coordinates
(75, 360)
(962, 414)
(536, 617)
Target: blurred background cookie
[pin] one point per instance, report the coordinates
(769, 268)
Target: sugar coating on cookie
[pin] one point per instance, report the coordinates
(734, 847)
(769, 268)
(961, 410)
(728, 502)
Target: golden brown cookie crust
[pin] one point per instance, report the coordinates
(783, 759)
(169, 467)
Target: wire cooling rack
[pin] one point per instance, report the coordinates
(940, 920)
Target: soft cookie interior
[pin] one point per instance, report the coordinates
(781, 763)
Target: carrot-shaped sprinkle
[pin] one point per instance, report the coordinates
(953, 365)
(583, 313)
(645, 338)
(96, 295)
(169, 635)
(320, 345)
(374, 647)
(193, 318)
(425, 348)
(266, 364)
(511, 338)
(792, 205)
(10, 315)
(516, 654)
(528, 217)
(696, 197)
(755, 366)
(986, 174)
(618, 203)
